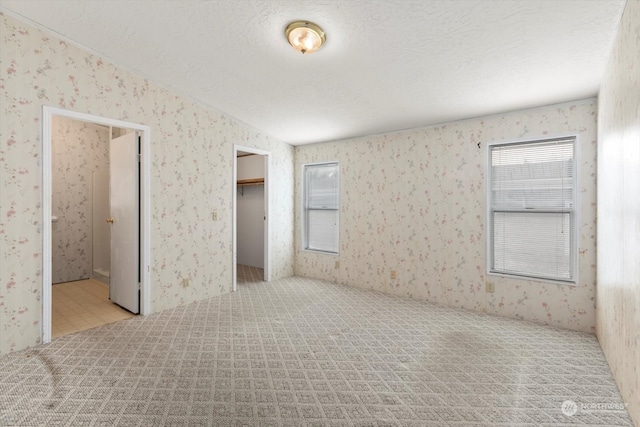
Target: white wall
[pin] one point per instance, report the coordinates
(250, 208)
(250, 167)
(101, 229)
(618, 310)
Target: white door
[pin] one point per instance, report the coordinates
(125, 222)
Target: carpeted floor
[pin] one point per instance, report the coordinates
(301, 352)
(248, 274)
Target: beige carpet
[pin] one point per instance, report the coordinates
(301, 352)
(248, 274)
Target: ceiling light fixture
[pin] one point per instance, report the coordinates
(305, 36)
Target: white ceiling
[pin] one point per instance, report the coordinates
(387, 65)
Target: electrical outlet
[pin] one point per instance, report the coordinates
(185, 282)
(490, 287)
(214, 215)
(337, 264)
(393, 275)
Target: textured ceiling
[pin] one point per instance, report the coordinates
(387, 65)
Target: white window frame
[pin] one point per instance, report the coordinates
(576, 209)
(305, 215)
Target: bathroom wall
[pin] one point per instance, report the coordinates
(191, 175)
(618, 310)
(250, 208)
(415, 201)
(79, 150)
(101, 229)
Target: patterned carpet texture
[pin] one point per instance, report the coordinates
(302, 352)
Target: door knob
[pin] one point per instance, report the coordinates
(110, 220)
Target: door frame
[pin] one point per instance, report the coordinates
(145, 207)
(234, 209)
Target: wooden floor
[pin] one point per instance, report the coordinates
(81, 305)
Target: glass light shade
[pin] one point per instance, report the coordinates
(304, 36)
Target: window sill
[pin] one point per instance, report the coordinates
(533, 279)
(316, 251)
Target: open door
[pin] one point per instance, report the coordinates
(124, 190)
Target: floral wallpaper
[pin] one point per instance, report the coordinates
(414, 202)
(191, 175)
(78, 150)
(618, 310)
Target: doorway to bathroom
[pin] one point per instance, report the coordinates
(80, 227)
(96, 200)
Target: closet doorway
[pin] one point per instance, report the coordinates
(250, 216)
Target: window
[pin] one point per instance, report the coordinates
(532, 220)
(321, 207)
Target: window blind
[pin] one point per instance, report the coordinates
(321, 207)
(532, 209)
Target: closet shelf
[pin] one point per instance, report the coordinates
(247, 182)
